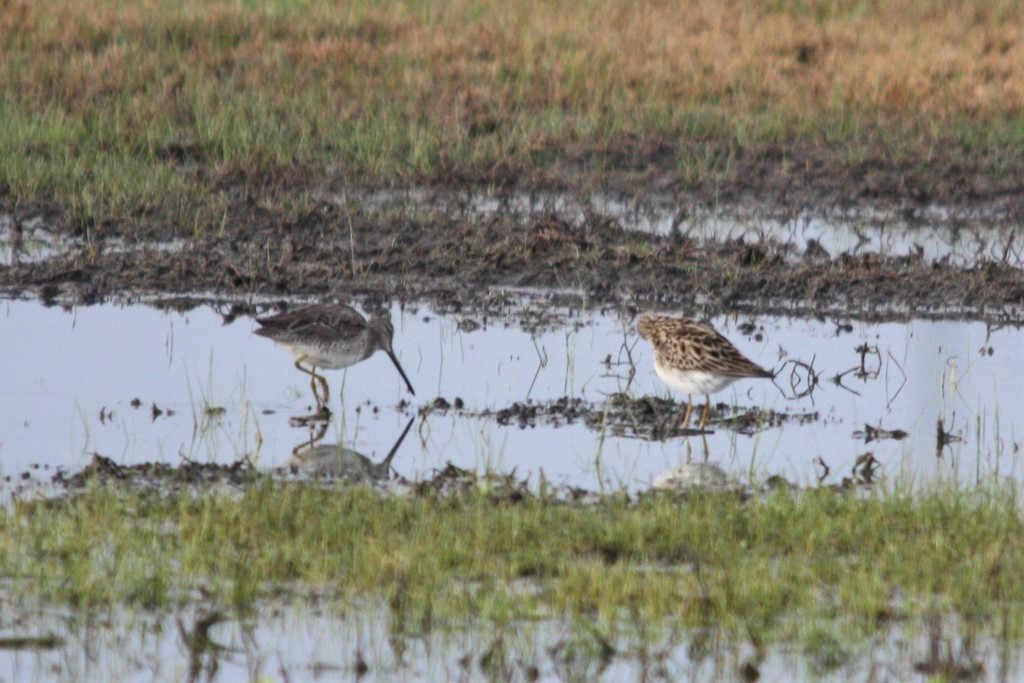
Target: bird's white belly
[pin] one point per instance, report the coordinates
(326, 357)
(693, 381)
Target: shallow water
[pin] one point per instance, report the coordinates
(933, 232)
(308, 643)
(33, 240)
(137, 384)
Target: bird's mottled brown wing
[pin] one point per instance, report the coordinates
(326, 322)
(690, 345)
(717, 354)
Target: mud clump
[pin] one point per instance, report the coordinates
(646, 417)
(104, 471)
(556, 413)
(657, 419)
(525, 414)
(453, 482)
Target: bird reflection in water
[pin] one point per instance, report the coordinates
(310, 458)
(330, 337)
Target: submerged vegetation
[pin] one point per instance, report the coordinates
(126, 108)
(764, 567)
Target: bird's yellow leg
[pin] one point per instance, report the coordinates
(326, 388)
(313, 377)
(707, 411)
(688, 413)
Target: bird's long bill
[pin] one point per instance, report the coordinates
(394, 359)
(394, 449)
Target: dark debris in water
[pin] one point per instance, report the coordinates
(556, 413)
(103, 470)
(870, 434)
(864, 473)
(943, 438)
(48, 641)
(442, 405)
(645, 417)
(559, 412)
(655, 418)
(648, 417)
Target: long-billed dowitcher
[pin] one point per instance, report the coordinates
(330, 336)
(694, 358)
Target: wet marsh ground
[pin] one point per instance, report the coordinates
(539, 436)
(624, 582)
(835, 185)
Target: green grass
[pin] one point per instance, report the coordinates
(126, 109)
(767, 567)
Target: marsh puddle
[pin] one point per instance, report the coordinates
(33, 240)
(141, 384)
(310, 643)
(931, 232)
(29, 241)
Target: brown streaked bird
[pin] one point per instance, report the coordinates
(695, 359)
(329, 337)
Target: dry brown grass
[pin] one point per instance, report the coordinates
(378, 85)
(937, 58)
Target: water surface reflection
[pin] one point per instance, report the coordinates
(311, 458)
(315, 643)
(545, 401)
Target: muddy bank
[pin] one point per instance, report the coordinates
(462, 263)
(450, 483)
(292, 232)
